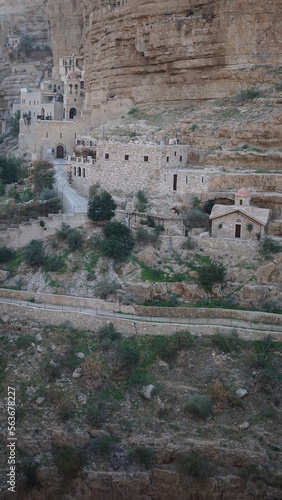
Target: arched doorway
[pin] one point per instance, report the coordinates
(72, 113)
(60, 153)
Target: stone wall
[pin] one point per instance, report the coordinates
(13, 312)
(120, 168)
(22, 235)
(50, 134)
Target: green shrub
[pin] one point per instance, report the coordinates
(68, 462)
(226, 342)
(101, 207)
(108, 334)
(118, 241)
(268, 246)
(192, 464)
(75, 240)
(63, 233)
(129, 354)
(24, 341)
(210, 273)
(30, 472)
(199, 406)
(133, 111)
(142, 201)
(196, 218)
(103, 445)
(6, 254)
(106, 287)
(249, 94)
(34, 253)
(149, 237)
(142, 456)
(54, 263)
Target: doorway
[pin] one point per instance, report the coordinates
(60, 151)
(237, 230)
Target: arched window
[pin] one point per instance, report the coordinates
(74, 170)
(75, 88)
(79, 171)
(83, 172)
(70, 88)
(72, 113)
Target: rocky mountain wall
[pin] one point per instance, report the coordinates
(174, 51)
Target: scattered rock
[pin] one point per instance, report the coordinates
(98, 433)
(80, 355)
(38, 337)
(39, 348)
(40, 400)
(76, 373)
(4, 275)
(52, 363)
(244, 426)
(82, 398)
(163, 364)
(5, 318)
(242, 393)
(147, 390)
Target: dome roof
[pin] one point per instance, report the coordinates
(72, 74)
(243, 192)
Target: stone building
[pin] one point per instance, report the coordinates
(241, 220)
(48, 113)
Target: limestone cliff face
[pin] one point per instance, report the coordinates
(179, 50)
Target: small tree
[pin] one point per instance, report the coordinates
(101, 207)
(196, 218)
(211, 273)
(34, 253)
(142, 201)
(43, 175)
(118, 241)
(14, 123)
(26, 44)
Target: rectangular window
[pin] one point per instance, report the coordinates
(146, 158)
(186, 180)
(61, 135)
(46, 135)
(126, 157)
(175, 182)
(180, 158)
(174, 153)
(167, 159)
(107, 156)
(202, 179)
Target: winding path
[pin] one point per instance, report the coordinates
(71, 200)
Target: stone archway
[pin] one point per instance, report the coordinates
(60, 151)
(72, 113)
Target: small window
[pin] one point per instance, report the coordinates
(38, 102)
(167, 159)
(46, 135)
(74, 170)
(186, 179)
(126, 157)
(34, 102)
(83, 172)
(107, 156)
(180, 158)
(61, 135)
(202, 179)
(174, 153)
(241, 202)
(146, 158)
